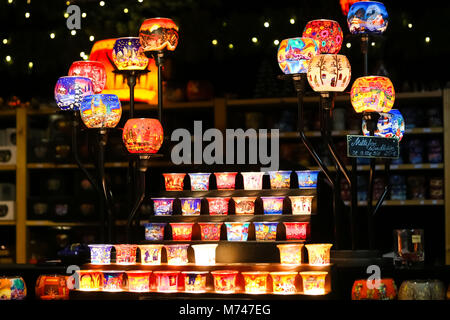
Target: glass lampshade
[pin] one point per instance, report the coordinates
(294, 54)
(329, 72)
(372, 94)
(327, 33)
(70, 91)
(390, 125)
(94, 70)
(367, 17)
(143, 135)
(158, 34)
(128, 54)
(101, 110)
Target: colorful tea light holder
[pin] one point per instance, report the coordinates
(138, 280)
(252, 180)
(255, 282)
(52, 287)
(205, 254)
(273, 205)
(283, 282)
(301, 205)
(225, 281)
(125, 253)
(199, 181)
(319, 254)
(163, 206)
(210, 231)
(190, 206)
(70, 91)
(265, 231)
(101, 111)
(297, 230)
(94, 70)
(314, 282)
(154, 231)
(182, 231)
(244, 205)
(294, 54)
(327, 33)
(195, 281)
(90, 280)
(237, 231)
(290, 254)
(150, 254)
(174, 181)
(218, 205)
(367, 17)
(177, 254)
(389, 125)
(280, 179)
(12, 288)
(167, 281)
(100, 253)
(225, 180)
(307, 178)
(113, 280)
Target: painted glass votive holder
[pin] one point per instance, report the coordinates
(218, 206)
(237, 231)
(100, 253)
(280, 179)
(182, 231)
(195, 281)
(52, 287)
(150, 254)
(225, 281)
(154, 231)
(125, 253)
(174, 181)
(265, 230)
(163, 206)
(113, 280)
(244, 205)
(166, 281)
(190, 206)
(12, 288)
(205, 254)
(199, 181)
(284, 282)
(255, 282)
(138, 280)
(290, 254)
(301, 204)
(307, 178)
(90, 280)
(177, 254)
(225, 180)
(273, 205)
(253, 180)
(313, 282)
(319, 254)
(297, 230)
(210, 230)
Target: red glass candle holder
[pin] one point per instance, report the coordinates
(327, 33)
(244, 205)
(125, 253)
(225, 281)
(138, 280)
(313, 282)
(284, 282)
(94, 70)
(387, 290)
(166, 281)
(90, 280)
(255, 282)
(143, 135)
(174, 181)
(218, 206)
(297, 230)
(158, 34)
(210, 230)
(225, 180)
(181, 231)
(52, 287)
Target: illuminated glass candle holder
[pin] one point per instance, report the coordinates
(154, 231)
(52, 287)
(166, 281)
(273, 205)
(94, 70)
(225, 180)
(372, 94)
(307, 178)
(190, 206)
(90, 280)
(237, 231)
(225, 281)
(174, 181)
(182, 231)
(177, 254)
(280, 179)
(329, 73)
(313, 282)
(284, 282)
(100, 253)
(301, 204)
(210, 230)
(113, 280)
(125, 253)
(138, 280)
(294, 54)
(12, 288)
(199, 181)
(290, 254)
(101, 111)
(327, 33)
(128, 54)
(390, 125)
(253, 180)
(297, 230)
(150, 254)
(163, 206)
(143, 135)
(319, 254)
(244, 205)
(255, 282)
(205, 254)
(195, 281)
(158, 34)
(367, 17)
(70, 91)
(218, 206)
(266, 231)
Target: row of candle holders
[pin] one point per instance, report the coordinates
(205, 254)
(256, 282)
(252, 180)
(301, 205)
(236, 231)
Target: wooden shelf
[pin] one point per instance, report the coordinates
(48, 165)
(7, 222)
(231, 218)
(7, 112)
(48, 223)
(424, 202)
(8, 167)
(404, 166)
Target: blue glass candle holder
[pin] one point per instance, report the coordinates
(190, 206)
(367, 17)
(389, 125)
(265, 230)
(154, 231)
(273, 205)
(237, 231)
(199, 181)
(163, 206)
(100, 253)
(70, 91)
(307, 178)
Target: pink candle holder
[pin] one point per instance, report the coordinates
(150, 254)
(205, 254)
(280, 179)
(113, 280)
(301, 204)
(138, 280)
(253, 180)
(297, 230)
(125, 253)
(255, 282)
(225, 281)
(182, 231)
(290, 254)
(177, 254)
(244, 205)
(218, 206)
(225, 180)
(174, 181)
(319, 254)
(284, 282)
(273, 205)
(166, 281)
(314, 282)
(210, 230)
(190, 206)
(237, 231)
(90, 280)
(199, 181)
(195, 281)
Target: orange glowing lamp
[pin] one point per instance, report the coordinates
(372, 94)
(143, 135)
(158, 34)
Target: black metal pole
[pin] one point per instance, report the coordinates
(131, 83)
(106, 199)
(139, 199)
(159, 59)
